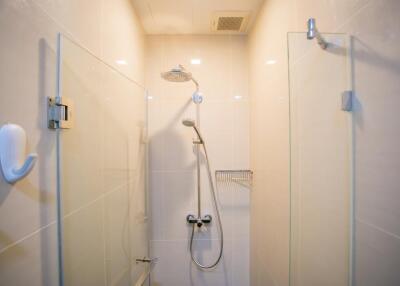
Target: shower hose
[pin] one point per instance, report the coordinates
(218, 219)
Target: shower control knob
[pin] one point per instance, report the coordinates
(207, 219)
(191, 219)
(199, 221)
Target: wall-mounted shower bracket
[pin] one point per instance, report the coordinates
(60, 112)
(197, 97)
(199, 220)
(347, 100)
(197, 141)
(312, 32)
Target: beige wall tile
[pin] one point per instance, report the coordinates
(374, 28)
(28, 56)
(31, 261)
(224, 123)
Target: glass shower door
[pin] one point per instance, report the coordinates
(101, 173)
(321, 161)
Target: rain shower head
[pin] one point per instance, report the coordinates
(178, 74)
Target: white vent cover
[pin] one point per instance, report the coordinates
(230, 22)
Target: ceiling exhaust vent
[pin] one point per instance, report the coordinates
(230, 22)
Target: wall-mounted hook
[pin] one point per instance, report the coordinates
(12, 153)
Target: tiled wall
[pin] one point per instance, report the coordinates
(321, 159)
(270, 143)
(224, 122)
(375, 27)
(28, 31)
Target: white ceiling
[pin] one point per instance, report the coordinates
(187, 16)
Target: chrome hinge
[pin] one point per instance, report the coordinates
(60, 113)
(347, 100)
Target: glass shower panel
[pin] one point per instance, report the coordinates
(321, 162)
(102, 172)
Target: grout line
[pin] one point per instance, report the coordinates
(172, 171)
(25, 237)
(197, 239)
(69, 35)
(379, 228)
(355, 14)
(102, 196)
(54, 222)
(336, 31)
(34, 2)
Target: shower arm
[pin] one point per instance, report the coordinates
(196, 83)
(192, 79)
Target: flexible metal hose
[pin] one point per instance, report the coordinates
(218, 219)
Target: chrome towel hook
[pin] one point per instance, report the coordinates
(12, 153)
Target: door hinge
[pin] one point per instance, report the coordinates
(60, 113)
(347, 100)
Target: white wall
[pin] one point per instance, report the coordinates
(28, 31)
(224, 122)
(375, 27)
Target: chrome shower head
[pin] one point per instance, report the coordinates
(191, 123)
(178, 74)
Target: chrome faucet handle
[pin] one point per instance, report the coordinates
(199, 221)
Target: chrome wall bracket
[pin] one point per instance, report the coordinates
(60, 113)
(347, 100)
(312, 32)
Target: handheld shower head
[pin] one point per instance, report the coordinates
(188, 122)
(191, 123)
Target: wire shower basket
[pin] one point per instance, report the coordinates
(241, 177)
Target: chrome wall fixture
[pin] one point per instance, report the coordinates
(312, 32)
(60, 113)
(180, 74)
(200, 220)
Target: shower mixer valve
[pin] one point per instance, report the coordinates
(180, 74)
(199, 220)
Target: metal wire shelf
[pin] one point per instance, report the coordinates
(241, 177)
